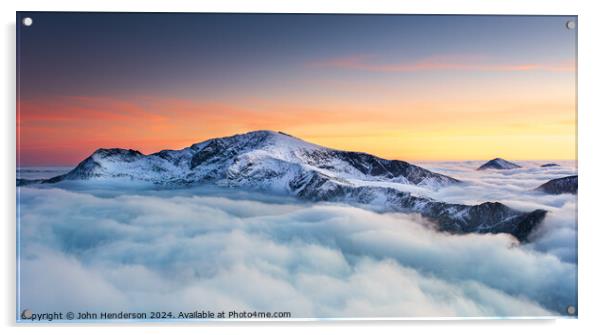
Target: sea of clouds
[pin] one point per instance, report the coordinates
(93, 248)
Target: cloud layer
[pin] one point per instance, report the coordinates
(170, 250)
(557, 234)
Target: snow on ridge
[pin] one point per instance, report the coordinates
(262, 158)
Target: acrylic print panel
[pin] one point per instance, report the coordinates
(177, 167)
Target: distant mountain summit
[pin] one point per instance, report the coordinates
(498, 164)
(279, 163)
(549, 165)
(560, 185)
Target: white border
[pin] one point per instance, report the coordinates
(589, 159)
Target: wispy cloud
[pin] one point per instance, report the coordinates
(440, 63)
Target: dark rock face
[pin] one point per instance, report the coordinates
(374, 166)
(499, 164)
(274, 162)
(488, 217)
(214, 149)
(549, 165)
(560, 185)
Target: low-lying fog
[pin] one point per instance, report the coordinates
(114, 248)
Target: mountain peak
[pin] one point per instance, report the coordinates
(267, 134)
(115, 155)
(278, 144)
(105, 152)
(499, 164)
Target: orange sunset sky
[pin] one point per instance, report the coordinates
(400, 87)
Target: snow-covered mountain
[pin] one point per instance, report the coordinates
(498, 164)
(560, 185)
(259, 160)
(281, 164)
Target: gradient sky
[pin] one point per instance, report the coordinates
(401, 87)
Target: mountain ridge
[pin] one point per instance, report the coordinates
(283, 164)
(568, 184)
(200, 160)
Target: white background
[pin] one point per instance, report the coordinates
(590, 167)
